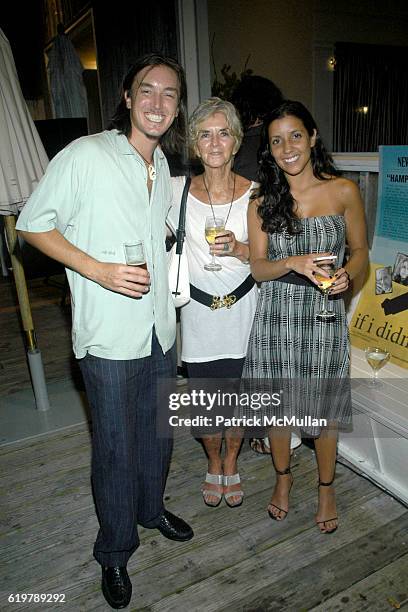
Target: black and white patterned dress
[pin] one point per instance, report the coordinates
(288, 343)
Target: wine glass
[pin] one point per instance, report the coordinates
(376, 357)
(328, 264)
(135, 254)
(214, 226)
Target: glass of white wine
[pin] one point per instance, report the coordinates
(377, 357)
(328, 264)
(214, 226)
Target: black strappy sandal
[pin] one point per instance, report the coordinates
(335, 518)
(259, 446)
(276, 518)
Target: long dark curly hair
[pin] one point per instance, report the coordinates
(277, 209)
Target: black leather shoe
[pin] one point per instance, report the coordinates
(174, 528)
(116, 586)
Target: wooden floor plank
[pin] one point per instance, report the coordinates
(333, 572)
(251, 520)
(248, 576)
(52, 325)
(35, 449)
(385, 589)
(47, 463)
(191, 561)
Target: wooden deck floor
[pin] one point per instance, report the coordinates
(52, 325)
(238, 560)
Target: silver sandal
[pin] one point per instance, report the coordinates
(232, 480)
(215, 479)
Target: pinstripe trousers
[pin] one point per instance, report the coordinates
(129, 462)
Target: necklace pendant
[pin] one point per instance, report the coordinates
(152, 172)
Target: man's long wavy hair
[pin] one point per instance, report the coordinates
(173, 141)
(278, 207)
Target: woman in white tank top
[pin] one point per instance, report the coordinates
(216, 323)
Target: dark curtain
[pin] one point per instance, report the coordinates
(125, 29)
(375, 77)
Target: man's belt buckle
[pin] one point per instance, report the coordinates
(226, 301)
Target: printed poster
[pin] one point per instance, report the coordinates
(391, 232)
(381, 315)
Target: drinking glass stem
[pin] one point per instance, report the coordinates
(374, 380)
(325, 300)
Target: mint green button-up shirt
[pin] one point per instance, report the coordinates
(94, 193)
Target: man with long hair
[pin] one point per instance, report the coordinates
(101, 193)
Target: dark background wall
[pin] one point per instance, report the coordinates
(23, 24)
(124, 30)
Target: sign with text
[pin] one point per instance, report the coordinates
(381, 317)
(391, 233)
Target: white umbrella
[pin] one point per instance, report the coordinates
(23, 157)
(22, 162)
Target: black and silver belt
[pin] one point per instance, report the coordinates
(215, 301)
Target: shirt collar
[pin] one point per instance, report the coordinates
(125, 148)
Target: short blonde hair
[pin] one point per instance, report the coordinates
(207, 109)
